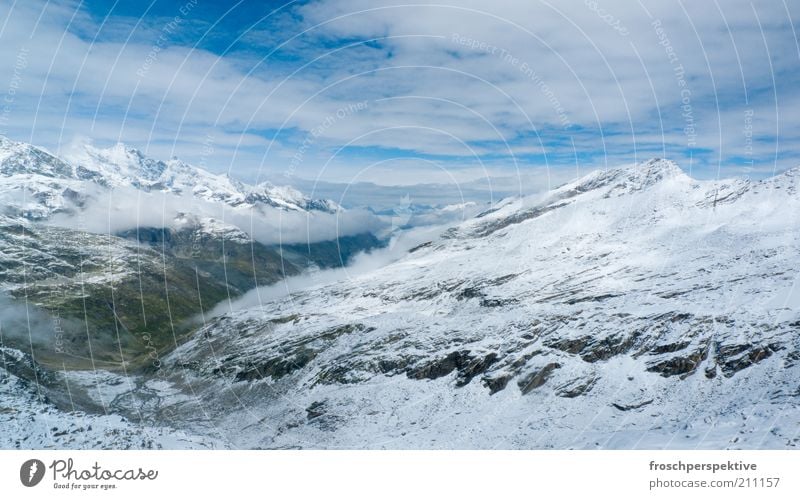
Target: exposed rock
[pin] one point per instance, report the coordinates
(577, 387)
(315, 410)
(592, 350)
(517, 218)
(496, 302)
(420, 246)
(669, 347)
(468, 366)
(277, 367)
(497, 383)
(630, 407)
(680, 365)
(735, 358)
(537, 378)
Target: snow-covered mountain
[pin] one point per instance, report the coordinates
(122, 166)
(113, 293)
(634, 307)
(36, 184)
(31, 421)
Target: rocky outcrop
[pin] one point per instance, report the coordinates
(467, 364)
(537, 378)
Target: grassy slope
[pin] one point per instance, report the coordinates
(111, 300)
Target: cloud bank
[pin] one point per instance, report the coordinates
(360, 264)
(122, 209)
(346, 85)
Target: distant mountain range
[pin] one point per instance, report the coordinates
(55, 185)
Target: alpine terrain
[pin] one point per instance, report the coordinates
(635, 307)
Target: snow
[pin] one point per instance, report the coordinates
(631, 255)
(633, 308)
(36, 185)
(29, 421)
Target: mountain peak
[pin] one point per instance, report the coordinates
(628, 179)
(123, 152)
(123, 147)
(788, 180)
(23, 158)
(663, 168)
(8, 145)
(123, 164)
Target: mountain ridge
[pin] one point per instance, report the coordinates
(54, 182)
(599, 321)
(631, 308)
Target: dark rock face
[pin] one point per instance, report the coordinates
(469, 292)
(630, 407)
(535, 379)
(516, 218)
(467, 365)
(593, 350)
(681, 365)
(576, 388)
(315, 410)
(733, 359)
(476, 366)
(421, 246)
(297, 355)
(495, 302)
(791, 358)
(729, 358)
(498, 383)
(277, 367)
(668, 348)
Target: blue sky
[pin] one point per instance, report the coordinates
(395, 93)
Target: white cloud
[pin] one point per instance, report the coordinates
(462, 79)
(359, 265)
(118, 210)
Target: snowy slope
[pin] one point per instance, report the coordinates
(632, 308)
(30, 421)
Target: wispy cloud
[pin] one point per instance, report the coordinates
(462, 84)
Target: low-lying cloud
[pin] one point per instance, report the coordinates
(361, 264)
(118, 210)
(24, 324)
